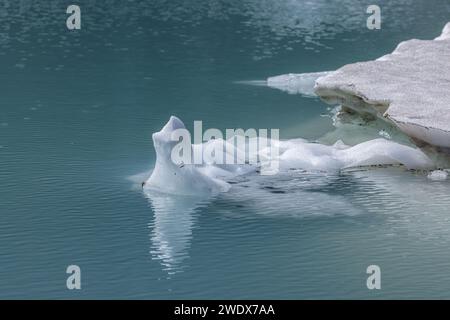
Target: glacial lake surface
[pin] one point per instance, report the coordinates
(77, 110)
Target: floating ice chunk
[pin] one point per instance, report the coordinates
(384, 152)
(169, 177)
(292, 83)
(210, 178)
(438, 175)
(410, 86)
(314, 156)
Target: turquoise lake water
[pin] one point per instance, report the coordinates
(77, 110)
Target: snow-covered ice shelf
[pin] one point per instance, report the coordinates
(410, 87)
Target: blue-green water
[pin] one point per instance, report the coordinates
(77, 110)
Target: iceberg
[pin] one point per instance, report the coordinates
(409, 87)
(211, 178)
(169, 177)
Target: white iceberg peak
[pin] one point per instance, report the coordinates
(173, 124)
(168, 177)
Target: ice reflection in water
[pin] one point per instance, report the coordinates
(401, 196)
(301, 194)
(171, 228)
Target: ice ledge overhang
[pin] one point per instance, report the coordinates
(410, 87)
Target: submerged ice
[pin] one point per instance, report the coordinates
(295, 154)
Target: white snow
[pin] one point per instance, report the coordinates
(438, 175)
(410, 86)
(296, 83)
(192, 179)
